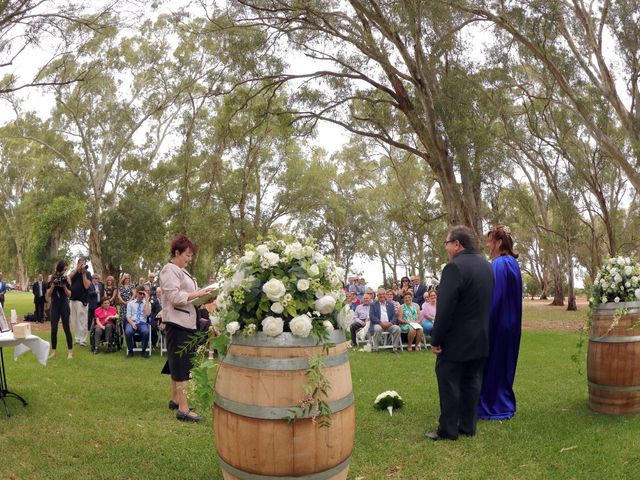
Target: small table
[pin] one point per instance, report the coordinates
(34, 343)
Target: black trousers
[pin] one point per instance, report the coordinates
(60, 311)
(39, 305)
(459, 385)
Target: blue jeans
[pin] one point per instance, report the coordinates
(143, 330)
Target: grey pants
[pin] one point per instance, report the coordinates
(99, 333)
(394, 330)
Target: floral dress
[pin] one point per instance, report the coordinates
(409, 314)
(126, 293)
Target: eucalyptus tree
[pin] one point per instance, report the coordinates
(571, 41)
(391, 71)
(110, 127)
(26, 26)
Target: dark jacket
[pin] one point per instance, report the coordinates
(461, 326)
(374, 314)
(92, 295)
(418, 295)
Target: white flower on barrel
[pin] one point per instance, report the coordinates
(262, 249)
(328, 326)
(274, 289)
(277, 308)
(272, 258)
(345, 317)
(303, 285)
(325, 305)
(616, 282)
(294, 250)
(272, 326)
(313, 270)
(300, 326)
(233, 327)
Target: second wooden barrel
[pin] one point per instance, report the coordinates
(613, 359)
(258, 381)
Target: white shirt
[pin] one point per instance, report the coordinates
(384, 317)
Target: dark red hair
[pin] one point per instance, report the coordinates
(503, 233)
(180, 244)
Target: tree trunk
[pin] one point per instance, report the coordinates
(558, 294)
(571, 294)
(95, 250)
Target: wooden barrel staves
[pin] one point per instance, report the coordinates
(258, 381)
(613, 359)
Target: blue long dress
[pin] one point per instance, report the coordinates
(497, 400)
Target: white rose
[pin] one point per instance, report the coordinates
(637, 292)
(237, 278)
(307, 251)
(628, 270)
(617, 299)
(300, 326)
(634, 279)
(319, 294)
(627, 284)
(294, 250)
(328, 326)
(325, 305)
(340, 272)
(604, 299)
(277, 308)
(272, 326)
(248, 257)
(303, 285)
(617, 278)
(271, 257)
(262, 249)
(313, 271)
(274, 289)
(233, 327)
(621, 261)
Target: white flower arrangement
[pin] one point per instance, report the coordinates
(281, 287)
(388, 400)
(618, 281)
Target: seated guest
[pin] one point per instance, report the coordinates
(138, 309)
(353, 301)
(418, 290)
(154, 319)
(361, 318)
(94, 298)
(105, 317)
(382, 316)
(428, 311)
(408, 321)
(405, 286)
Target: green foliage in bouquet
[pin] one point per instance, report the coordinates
(390, 398)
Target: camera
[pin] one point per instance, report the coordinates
(85, 267)
(58, 279)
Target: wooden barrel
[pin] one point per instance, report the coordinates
(613, 360)
(258, 381)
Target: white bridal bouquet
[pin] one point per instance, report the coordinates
(280, 286)
(618, 281)
(388, 400)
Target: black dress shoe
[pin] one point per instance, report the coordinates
(186, 417)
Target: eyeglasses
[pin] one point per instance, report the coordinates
(448, 241)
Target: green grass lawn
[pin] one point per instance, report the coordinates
(106, 417)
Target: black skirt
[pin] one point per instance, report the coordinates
(179, 362)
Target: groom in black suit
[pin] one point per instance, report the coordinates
(460, 335)
(39, 289)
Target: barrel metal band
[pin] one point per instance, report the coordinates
(285, 339)
(274, 413)
(325, 474)
(614, 339)
(276, 364)
(613, 388)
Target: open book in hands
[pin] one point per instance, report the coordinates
(415, 326)
(208, 298)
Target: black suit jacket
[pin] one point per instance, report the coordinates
(461, 326)
(36, 292)
(418, 295)
(92, 295)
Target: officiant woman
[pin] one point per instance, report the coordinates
(179, 315)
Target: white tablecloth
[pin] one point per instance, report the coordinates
(38, 346)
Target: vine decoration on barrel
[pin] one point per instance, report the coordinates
(276, 287)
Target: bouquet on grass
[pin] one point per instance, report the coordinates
(388, 400)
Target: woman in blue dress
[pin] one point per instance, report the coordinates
(497, 400)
